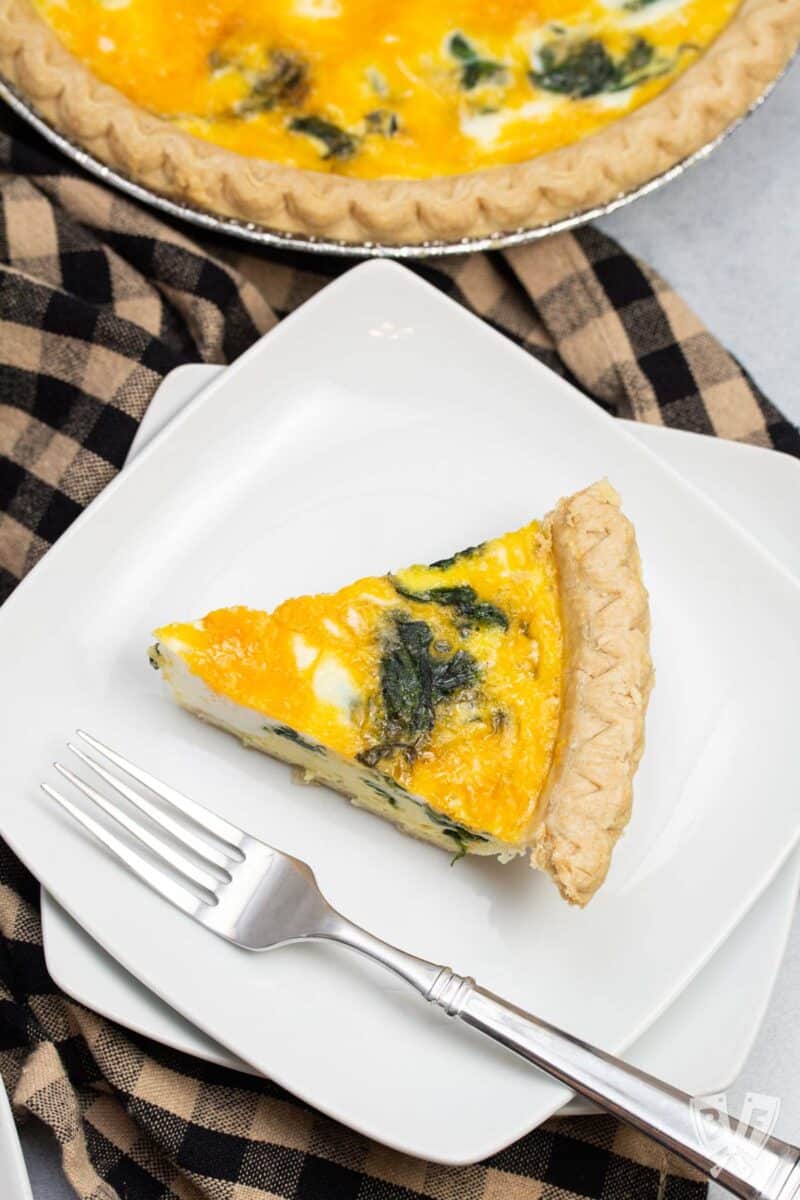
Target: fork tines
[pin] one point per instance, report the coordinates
(213, 844)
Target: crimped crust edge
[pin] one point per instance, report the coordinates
(608, 674)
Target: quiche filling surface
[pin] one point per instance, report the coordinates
(370, 89)
(430, 695)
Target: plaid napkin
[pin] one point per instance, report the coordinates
(100, 299)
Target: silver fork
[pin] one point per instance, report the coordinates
(259, 898)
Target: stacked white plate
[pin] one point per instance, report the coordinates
(15, 1176)
(382, 424)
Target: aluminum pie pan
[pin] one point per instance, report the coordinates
(261, 235)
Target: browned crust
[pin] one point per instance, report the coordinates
(714, 92)
(608, 675)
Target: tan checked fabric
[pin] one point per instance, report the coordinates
(99, 300)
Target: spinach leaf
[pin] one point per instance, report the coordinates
(383, 792)
(475, 69)
(636, 59)
(586, 68)
(382, 121)
(459, 47)
(336, 142)
(381, 750)
(407, 680)
(442, 564)
(578, 70)
(499, 720)
(413, 682)
(479, 70)
(453, 674)
(460, 853)
(452, 827)
(291, 735)
(455, 830)
(283, 82)
(462, 598)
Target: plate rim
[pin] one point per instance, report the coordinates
(15, 1173)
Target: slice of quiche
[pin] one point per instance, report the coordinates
(490, 703)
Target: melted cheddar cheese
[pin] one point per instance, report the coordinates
(376, 90)
(441, 683)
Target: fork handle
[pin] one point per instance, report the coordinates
(742, 1160)
(747, 1164)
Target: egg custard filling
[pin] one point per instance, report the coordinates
(450, 698)
(375, 90)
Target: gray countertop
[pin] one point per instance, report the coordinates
(726, 234)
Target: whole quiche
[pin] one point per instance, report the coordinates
(400, 123)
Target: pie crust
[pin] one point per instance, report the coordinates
(607, 677)
(698, 107)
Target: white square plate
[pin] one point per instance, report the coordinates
(382, 424)
(760, 488)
